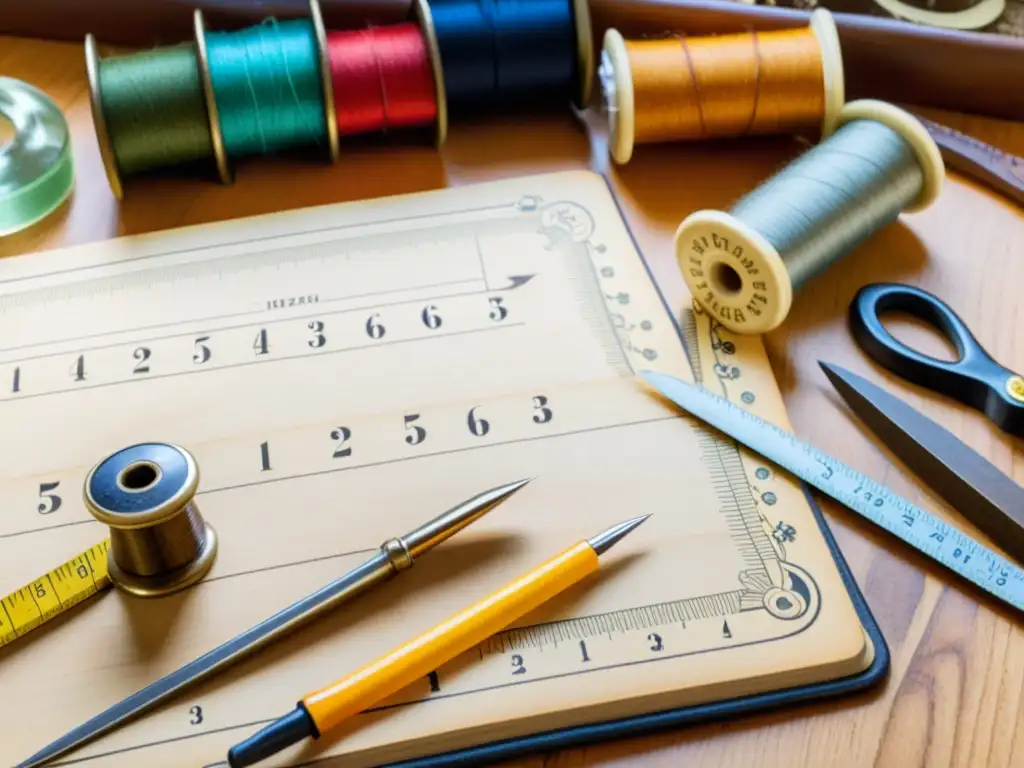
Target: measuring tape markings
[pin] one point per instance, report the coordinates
(47, 597)
(933, 537)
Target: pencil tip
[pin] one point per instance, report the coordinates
(605, 540)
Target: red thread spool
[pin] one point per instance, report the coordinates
(382, 78)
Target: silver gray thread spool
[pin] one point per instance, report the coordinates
(743, 266)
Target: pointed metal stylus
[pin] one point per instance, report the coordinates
(971, 484)
(395, 555)
(320, 711)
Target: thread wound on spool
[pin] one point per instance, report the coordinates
(496, 53)
(153, 106)
(690, 88)
(266, 83)
(744, 266)
(382, 79)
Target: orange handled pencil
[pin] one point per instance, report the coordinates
(322, 710)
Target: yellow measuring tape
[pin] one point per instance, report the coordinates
(143, 466)
(48, 597)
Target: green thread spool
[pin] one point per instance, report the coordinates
(264, 87)
(743, 266)
(148, 110)
(36, 167)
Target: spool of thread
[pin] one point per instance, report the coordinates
(148, 111)
(744, 266)
(36, 168)
(383, 80)
(686, 89)
(159, 541)
(264, 87)
(511, 53)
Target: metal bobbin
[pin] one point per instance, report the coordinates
(159, 541)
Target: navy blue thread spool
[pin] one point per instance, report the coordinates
(159, 541)
(497, 53)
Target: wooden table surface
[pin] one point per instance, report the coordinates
(955, 696)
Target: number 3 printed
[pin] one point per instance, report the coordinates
(542, 413)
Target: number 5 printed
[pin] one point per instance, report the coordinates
(415, 434)
(51, 501)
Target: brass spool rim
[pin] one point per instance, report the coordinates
(178, 504)
(326, 86)
(584, 52)
(213, 116)
(167, 583)
(99, 120)
(425, 18)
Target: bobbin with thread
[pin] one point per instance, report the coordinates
(495, 53)
(743, 266)
(388, 78)
(236, 115)
(678, 88)
(148, 111)
(159, 541)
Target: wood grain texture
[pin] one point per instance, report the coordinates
(955, 696)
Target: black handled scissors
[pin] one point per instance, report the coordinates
(974, 379)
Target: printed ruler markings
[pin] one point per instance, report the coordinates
(250, 313)
(691, 343)
(747, 504)
(268, 361)
(728, 481)
(241, 326)
(383, 462)
(561, 637)
(726, 470)
(586, 288)
(248, 258)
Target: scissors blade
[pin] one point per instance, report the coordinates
(972, 485)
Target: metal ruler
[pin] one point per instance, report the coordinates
(933, 537)
(49, 596)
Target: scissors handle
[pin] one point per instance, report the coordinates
(974, 379)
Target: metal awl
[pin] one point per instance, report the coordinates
(395, 555)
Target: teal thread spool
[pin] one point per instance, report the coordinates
(264, 87)
(743, 266)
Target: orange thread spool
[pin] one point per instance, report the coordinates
(684, 89)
